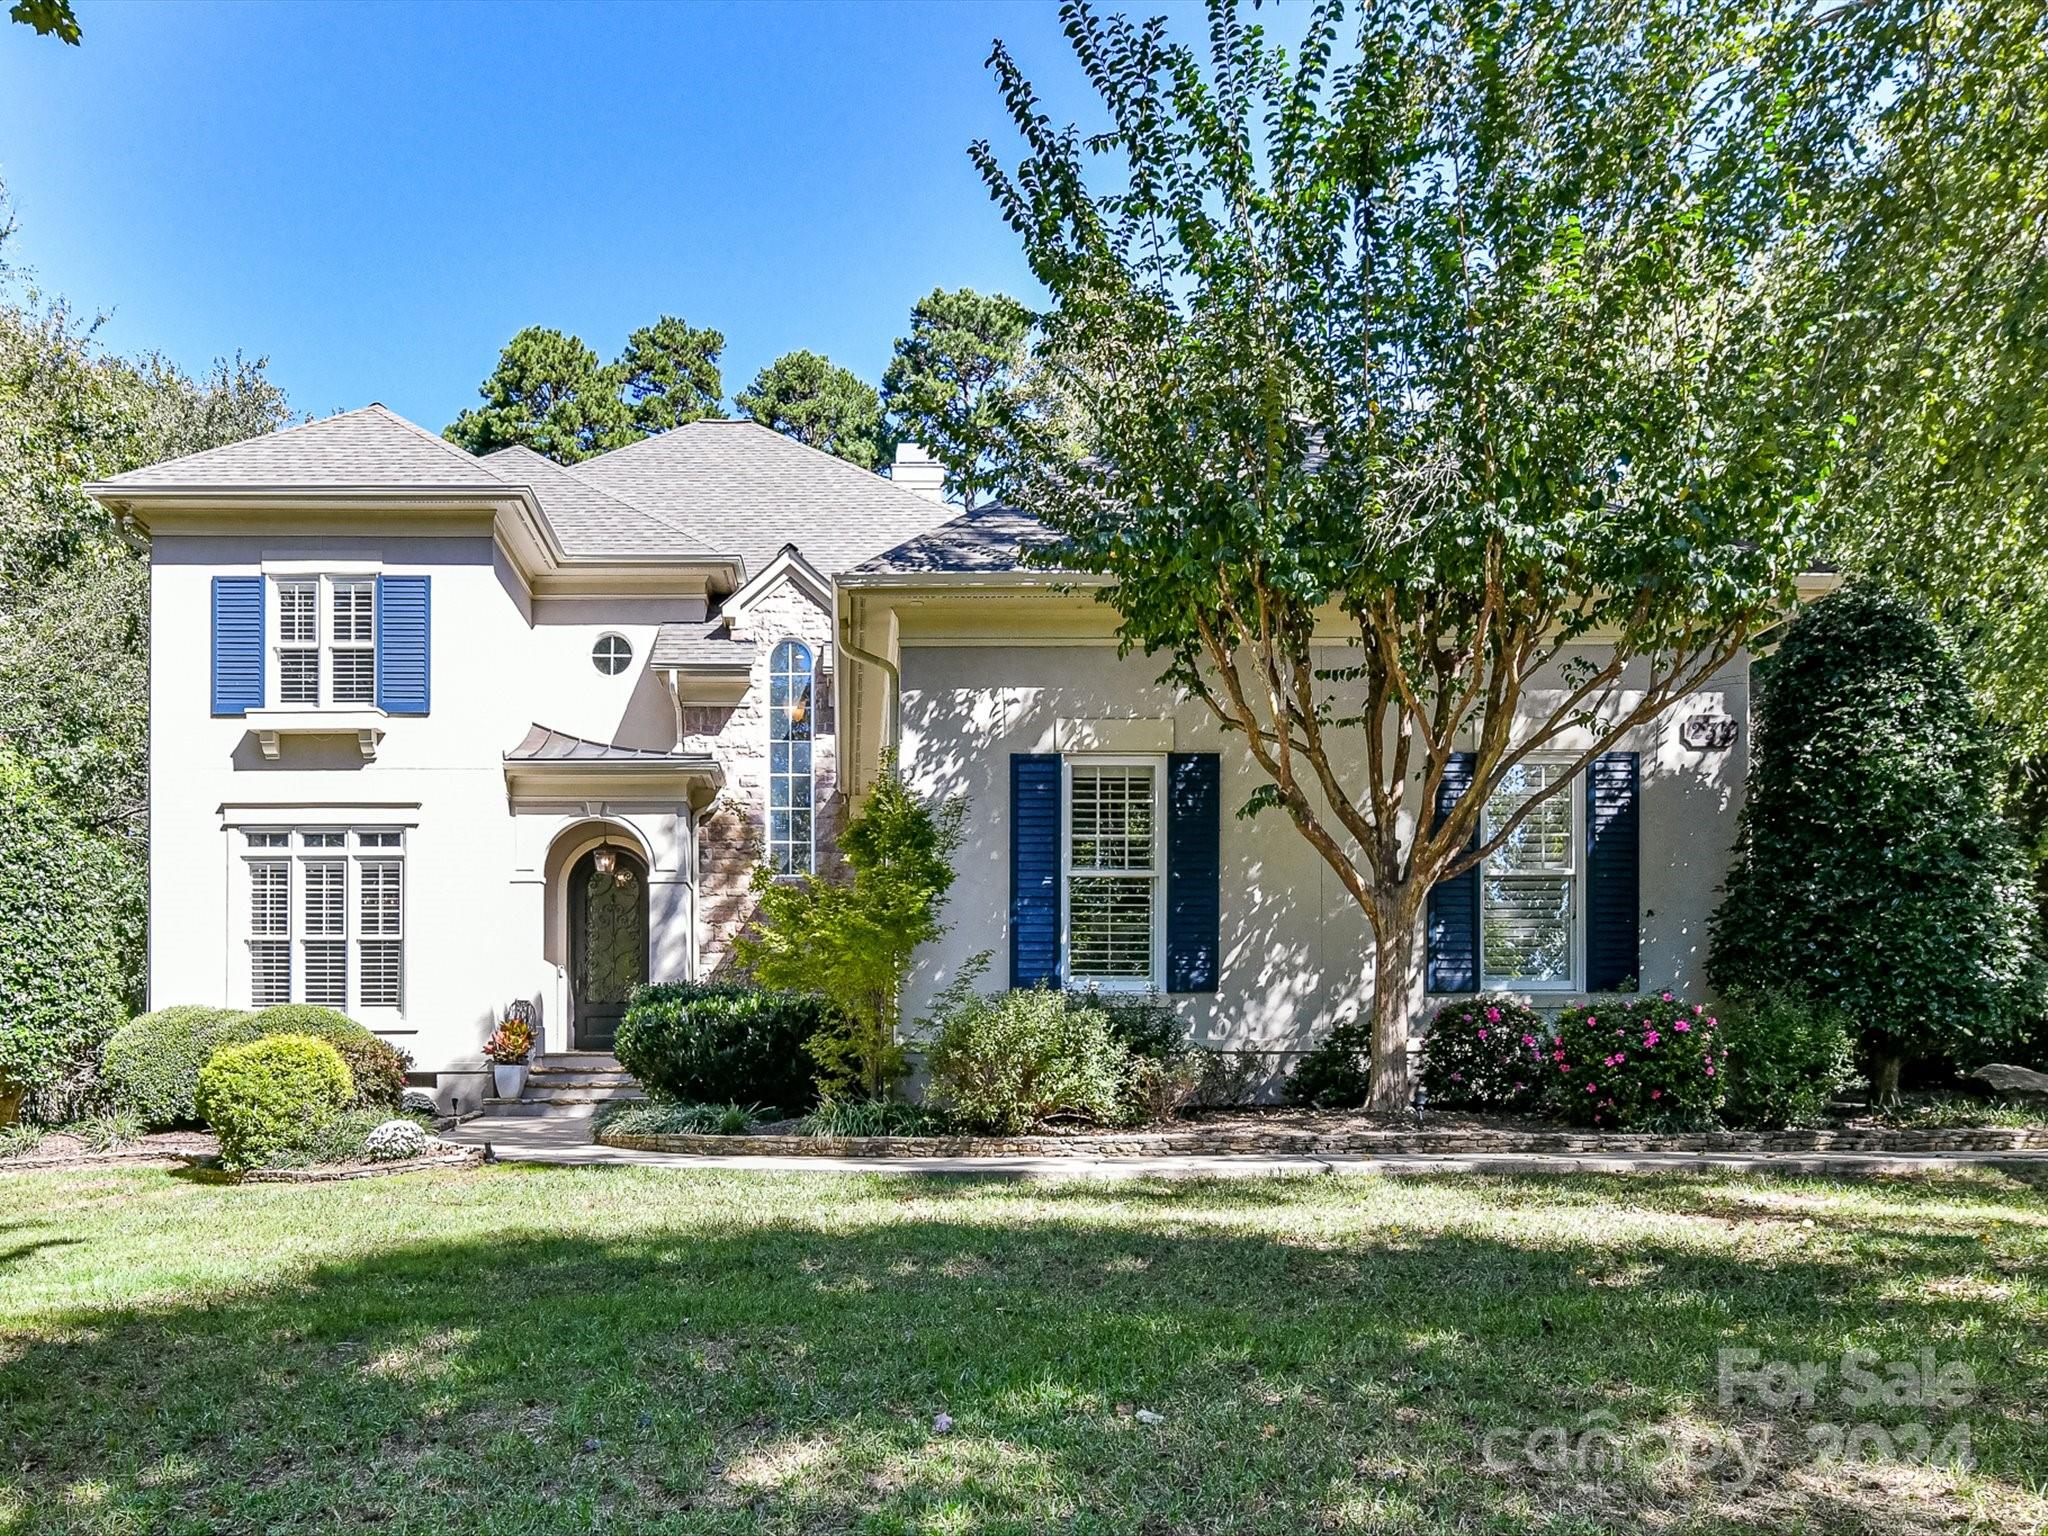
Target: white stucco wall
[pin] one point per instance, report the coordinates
(1296, 948)
(479, 929)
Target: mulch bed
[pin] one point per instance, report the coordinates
(1311, 1132)
(59, 1150)
(334, 1173)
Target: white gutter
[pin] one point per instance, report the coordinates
(892, 682)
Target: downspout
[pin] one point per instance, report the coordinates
(892, 685)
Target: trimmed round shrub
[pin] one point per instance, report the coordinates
(1485, 1053)
(377, 1066)
(723, 1043)
(267, 1096)
(151, 1065)
(395, 1140)
(1629, 1061)
(71, 911)
(1008, 1062)
(1337, 1073)
(1787, 1059)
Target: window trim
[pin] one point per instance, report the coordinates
(273, 843)
(625, 662)
(1154, 980)
(326, 582)
(810, 776)
(1573, 796)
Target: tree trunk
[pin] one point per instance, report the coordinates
(1884, 1081)
(1393, 952)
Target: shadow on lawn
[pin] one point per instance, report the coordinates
(706, 1373)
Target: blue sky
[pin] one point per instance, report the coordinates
(376, 196)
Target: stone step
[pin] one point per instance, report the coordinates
(543, 1077)
(552, 1109)
(579, 1061)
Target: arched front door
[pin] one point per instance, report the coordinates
(607, 941)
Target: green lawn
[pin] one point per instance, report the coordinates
(633, 1349)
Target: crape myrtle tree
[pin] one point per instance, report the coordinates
(1448, 395)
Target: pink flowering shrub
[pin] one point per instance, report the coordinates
(1637, 1061)
(1486, 1052)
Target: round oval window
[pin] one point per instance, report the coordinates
(612, 654)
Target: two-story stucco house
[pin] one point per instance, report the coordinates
(432, 734)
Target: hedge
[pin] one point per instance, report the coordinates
(723, 1043)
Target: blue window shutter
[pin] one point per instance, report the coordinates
(1034, 869)
(1453, 922)
(404, 646)
(1613, 870)
(237, 644)
(1194, 871)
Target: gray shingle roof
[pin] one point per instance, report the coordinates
(372, 447)
(585, 519)
(699, 646)
(988, 539)
(542, 745)
(748, 491)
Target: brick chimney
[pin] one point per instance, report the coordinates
(916, 470)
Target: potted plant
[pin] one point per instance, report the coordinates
(507, 1049)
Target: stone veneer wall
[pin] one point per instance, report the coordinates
(732, 836)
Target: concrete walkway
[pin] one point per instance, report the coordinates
(529, 1139)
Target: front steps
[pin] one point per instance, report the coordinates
(570, 1085)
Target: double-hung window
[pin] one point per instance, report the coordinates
(1114, 933)
(1529, 889)
(326, 917)
(326, 640)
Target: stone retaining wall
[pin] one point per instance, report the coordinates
(1391, 1143)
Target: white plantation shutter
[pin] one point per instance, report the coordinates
(353, 638)
(380, 919)
(1526, 914)
(270, 928)
(324, 914)
(298, 642)
(1112, 879)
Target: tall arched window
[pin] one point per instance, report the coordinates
(791, 723)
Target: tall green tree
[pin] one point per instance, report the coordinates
(1437, 401)
(669, 371)
(820, 404)
(960, 382)
(1939, 293)
(74, 707)
(549, 393)
(1874, 872)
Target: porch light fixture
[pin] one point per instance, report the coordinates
(604, 859)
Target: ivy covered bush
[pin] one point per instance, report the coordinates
(1874, 872)
(71, 917)
(151, 1065)
(1012, 1061)
(1486, 1052)
(723, 1043)
(1628, 1062)
(1787, 1059)
(267, 1097)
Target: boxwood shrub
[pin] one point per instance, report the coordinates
(269, 1096)
(723, 1043)
(151, 1065)
(1485, 1052)
(1647, 1061)
(377, 1067)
